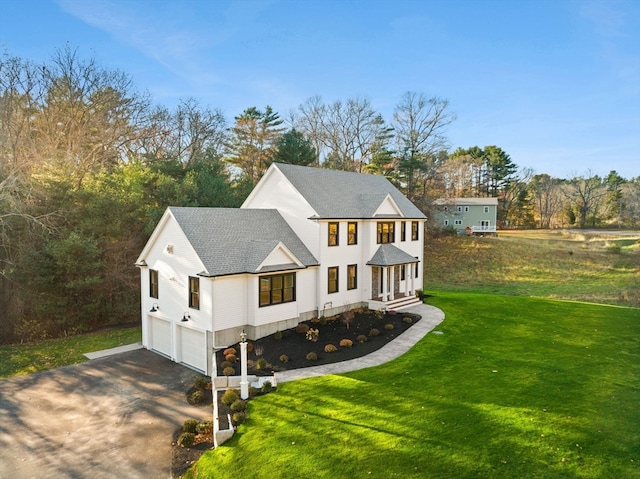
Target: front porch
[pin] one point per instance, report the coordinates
(393, 287)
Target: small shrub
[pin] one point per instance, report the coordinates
(197, 397)
(230, 371)
(239, 418)
(238, 405)
(267, 387)
(186, 439)
(201, 382)
(330, 348)
(261, 364)
(374, 332)
(284, 358)
(253, 391)
(225, 365)
(361, 338)
(313, 335)
(312, 356)
(322, 320)
(277, 335)
(249, 347)
(388, 326)
(189, 425)
(231, 358)
(302, 328)
(228, 351)
(204, 427)
(230, 396)
(407, 319)
(346, 343)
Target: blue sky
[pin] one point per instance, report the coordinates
(555, 84)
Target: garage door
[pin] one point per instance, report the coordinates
(193, 347)
(161, 336)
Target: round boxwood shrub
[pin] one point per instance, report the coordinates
(226, 364)
(407, 319)
(228, 351)
(201, 382)
(261, 364)
(186, 439)
(189, 425)
(361, 338)
(204, 427)
(302, 328)
(230, 396)
(249, 347)
(231, 358)
(239, 418)
(229, 371)
(346, 343)
(284, 358)
(312, 356)
(330, 348)
(388, 326)
(197, 397)
(238, 405)
(374, 332)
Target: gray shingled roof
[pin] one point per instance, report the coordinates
(342, 194)
(390, 255)
(235, 240)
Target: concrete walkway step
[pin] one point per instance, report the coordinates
(109, 352)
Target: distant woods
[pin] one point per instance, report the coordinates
(88, 164)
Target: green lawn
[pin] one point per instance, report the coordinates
(514, 387)
(18, 359)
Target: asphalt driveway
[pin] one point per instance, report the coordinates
(107, 418)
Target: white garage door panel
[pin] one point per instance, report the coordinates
(161, 336)
(193, 347)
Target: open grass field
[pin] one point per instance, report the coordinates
(514, 387)
(18, 359)
(582, 266)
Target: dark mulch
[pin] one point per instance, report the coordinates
(296, 346)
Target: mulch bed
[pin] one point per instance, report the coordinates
(296, 347)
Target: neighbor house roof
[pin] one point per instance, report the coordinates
(390, 255)
(233, 240)
(465, 201)
(343, 194)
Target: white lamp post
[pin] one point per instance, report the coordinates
(244, 384)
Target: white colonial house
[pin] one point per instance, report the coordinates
(471, 216)
(306, 242)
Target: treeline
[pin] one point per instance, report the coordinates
(88, 164)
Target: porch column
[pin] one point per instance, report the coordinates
(412, 266)
(408, 271)
(384, 284)
(392, 284)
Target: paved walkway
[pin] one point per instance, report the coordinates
(431, 317)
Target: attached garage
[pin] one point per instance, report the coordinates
(193, 348)
(160, 336)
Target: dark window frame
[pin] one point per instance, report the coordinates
(352, 279)
(389, 236)
(333, 238)
(281, 289)
(352, 237)
(194, 292)
(415, 231)
(154, 278)
(333, 284)
(403, 231)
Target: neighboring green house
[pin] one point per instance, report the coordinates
(471, 216)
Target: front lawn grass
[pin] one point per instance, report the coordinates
(19, 359)
(513, 387)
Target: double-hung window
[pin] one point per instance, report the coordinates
(386, 232)
(352, 276)
(332, 279)
(334, 233)
(352, 233)
(415, 230)
(194, 292)
(277, 288)
(153, 283)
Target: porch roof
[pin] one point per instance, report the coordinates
(390, 255)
